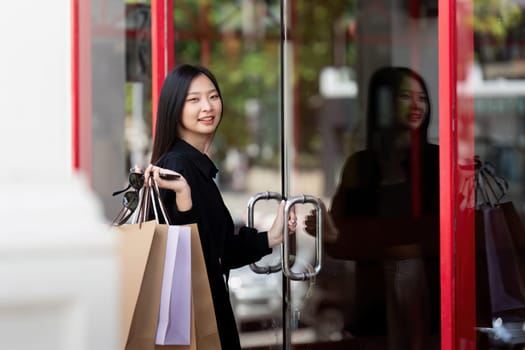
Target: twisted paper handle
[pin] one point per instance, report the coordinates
(490, 187)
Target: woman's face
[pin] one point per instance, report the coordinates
(202, 109)
(411, 104)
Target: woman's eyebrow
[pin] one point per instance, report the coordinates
(198, 92)
(410, 90)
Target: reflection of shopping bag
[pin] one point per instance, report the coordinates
(517, 234)
(500, 283)
(503, 270)
(144, 247)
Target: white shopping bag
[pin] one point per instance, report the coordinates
(175, 301)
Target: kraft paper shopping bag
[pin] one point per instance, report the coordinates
(142, 274)
(143, 252)
(135, 246)
(141, 281)
(207, 334)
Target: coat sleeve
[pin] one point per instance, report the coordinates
(246, 247)
(180, 165)
(364, 239)
(365, 236)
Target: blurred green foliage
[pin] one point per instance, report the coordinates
(244, 55)
(496, 17)
(243, 52)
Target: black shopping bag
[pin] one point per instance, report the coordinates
(505, 282)
(499, 236)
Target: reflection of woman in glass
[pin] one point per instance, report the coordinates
(385, 215)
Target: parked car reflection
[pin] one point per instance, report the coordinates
(257, 298)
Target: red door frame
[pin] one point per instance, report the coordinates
(447, 158)
(162, 50)
(81, 87)
(162, 61)
(456, 143)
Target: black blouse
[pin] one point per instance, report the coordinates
(223, 249)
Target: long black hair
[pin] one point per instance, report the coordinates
(171, 103)
(383, 89)
(422, 163)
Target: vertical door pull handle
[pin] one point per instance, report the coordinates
(286, 259)
(251, 204)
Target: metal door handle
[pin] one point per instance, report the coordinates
(286, 261)
(251, 204)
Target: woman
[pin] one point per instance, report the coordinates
(189, 112)
(385, 215)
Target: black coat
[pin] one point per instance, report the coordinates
(223, 249)
(366, 232)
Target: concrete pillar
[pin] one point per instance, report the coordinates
(58, 262)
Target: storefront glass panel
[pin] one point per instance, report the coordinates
(492, 85)
(328, 57)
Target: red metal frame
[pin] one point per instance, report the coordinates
(458, 313)
(464, 219)
(447, 157)
(162, 52)
(75, 86)
(81, 87)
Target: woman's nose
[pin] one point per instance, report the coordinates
(415, 101)
(206, 104)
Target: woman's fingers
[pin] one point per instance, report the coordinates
(275, 234)
(292, 220)
(148, 172)
(310, 223)
(330, 231)
(153, 171)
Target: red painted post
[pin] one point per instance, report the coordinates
(75, 87)
(456, 136)
(465, 258)
(447, 160)
(162, 55)
(81, 87)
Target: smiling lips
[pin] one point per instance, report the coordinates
(415, 116)
(208, 120)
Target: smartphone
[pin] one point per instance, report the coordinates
(166, 176)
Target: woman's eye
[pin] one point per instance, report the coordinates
(214, 97)
(192, 99)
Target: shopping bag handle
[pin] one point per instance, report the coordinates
(149, 195)
(489, 186)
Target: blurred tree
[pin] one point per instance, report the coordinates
(498, 31)
(495, 17)
(322, 37)
(241, 39)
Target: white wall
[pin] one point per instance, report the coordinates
(35, 90)
(58, 266)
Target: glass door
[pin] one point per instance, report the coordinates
(490, 85)
(360, 133)
(328, 103)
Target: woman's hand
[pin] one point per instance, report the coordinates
(179, 185)
(275, 234)
(330, 231)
